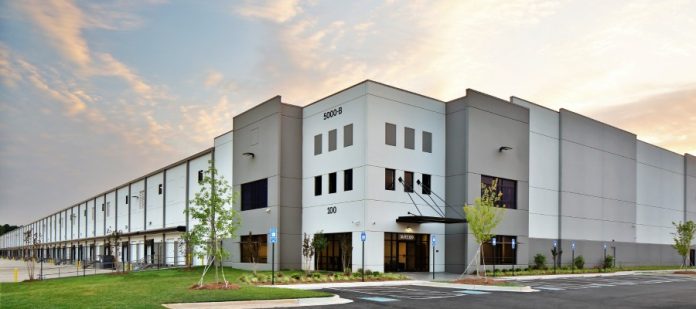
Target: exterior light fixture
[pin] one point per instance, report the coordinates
(249, 154)
(409, 230)
(502, 148)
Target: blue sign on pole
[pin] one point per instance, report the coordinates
(363, 236)
(514, 244)
(433, 239)
(494, 241)
(605, 246)
(555, 244)
(273, 232)
(572, 246)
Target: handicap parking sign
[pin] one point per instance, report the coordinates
(274, 235)
(513, 243)
(363, 236)
(434, 240)
(494, 241)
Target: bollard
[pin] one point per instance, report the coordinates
(16, 274)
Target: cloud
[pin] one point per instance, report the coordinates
(278, 11)
(667, 119)
(8, 72)
(213, 79)
(203, 122)
(62, 22)
(112, 67)
(73, 100)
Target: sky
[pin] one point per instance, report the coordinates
(95, 93)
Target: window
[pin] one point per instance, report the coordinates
(426, 184)
(159, 189)
(390, 134)
(254, 248)
(348, 135)
(255, 194)
(338, 250)
(389, 180)
(141, 199)
(409, 138)
(200, 176)
(500, 254)
(332, 182)
(317, 185)
(427, 142)
(127, 199)
(108, 209)
(332, 140)
(505, 186)
(408, 181)
(348, 180)
(317, 144)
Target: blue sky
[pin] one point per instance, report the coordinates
(93, 94)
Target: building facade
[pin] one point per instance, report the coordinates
(382, 173)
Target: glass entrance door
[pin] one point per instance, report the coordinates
(406, 252)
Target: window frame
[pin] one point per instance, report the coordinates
(254, 194)
(503, 253)
(408, 181)
(389, 128)
(246, 241)
(333, 182)
(348, 180)
(391, 179)
(333, 140)
(348, 138)
(429, 144)
(426, 186)
(318, 144)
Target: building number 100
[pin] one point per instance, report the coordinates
(331, 210)
(332, 113)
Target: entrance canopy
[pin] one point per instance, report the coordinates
(428, 219)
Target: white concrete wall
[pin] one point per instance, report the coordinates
(176, 196)
(660, 193)
(155, 200)
(543, 170)
(137, 210)
(122, 210)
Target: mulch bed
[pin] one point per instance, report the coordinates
(479, 281)
(215, 286)
(685, 272)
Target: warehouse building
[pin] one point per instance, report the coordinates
(385, 171)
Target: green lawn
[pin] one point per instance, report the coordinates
(148, 289)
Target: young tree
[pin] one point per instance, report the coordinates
(112, 241)
(212, 208)
(683, 238)
(186, 249)
(307, 252)
(33, 244)
(345, 242)
(483, 217)
(319, 242)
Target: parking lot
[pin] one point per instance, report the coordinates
(626, 291)
(563, 284)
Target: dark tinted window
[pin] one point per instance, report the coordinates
(317, 185)
(426, 184)
(348, 180)
(348, 135)
(254, 248)
(255, 194)
(389, 179)
(427, 142)
(332, 140)
(500, 254)
(408, 181)
(332, 182)
(390, 134)
(317, 144)
(505, 186)
(409, 138)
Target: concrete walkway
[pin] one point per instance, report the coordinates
(589, 275)
(50, 271)
(278, 303)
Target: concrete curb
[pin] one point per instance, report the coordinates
(276, 303)
(590, 275)
(319, 286)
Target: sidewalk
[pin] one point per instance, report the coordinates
(588, 275)
(446, 285)
(50, 271)
(278, 303)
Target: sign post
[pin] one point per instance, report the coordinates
(555, 260)
(514, 251)
(434, 241)
(572, 263)
(494, 241)
(274, 238)
(363, 237)
(604, 262)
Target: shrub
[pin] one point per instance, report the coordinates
(375, 273)
(579, 262)
(316, 275)
(296, 276)
(368, 272)
(279, 275)
(608, 261)
(360, 270)
(539, 261)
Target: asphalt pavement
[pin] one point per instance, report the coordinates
(634, 291)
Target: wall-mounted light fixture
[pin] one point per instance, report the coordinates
(502, 148)
(249, 154)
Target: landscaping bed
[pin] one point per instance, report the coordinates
(297, 277)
